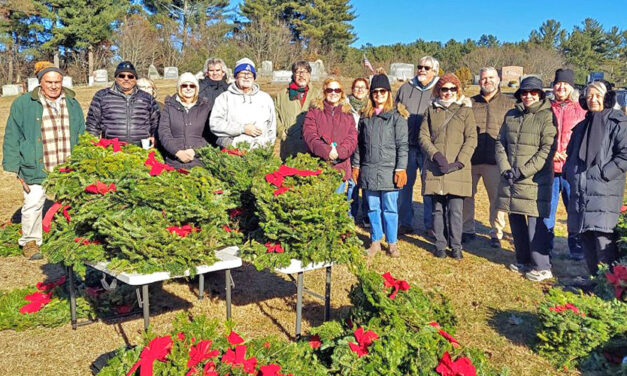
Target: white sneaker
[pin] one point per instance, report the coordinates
(538, 275)
(519, 268)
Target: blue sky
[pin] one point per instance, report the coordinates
(388, 22)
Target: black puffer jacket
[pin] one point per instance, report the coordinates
(210, 89)
(111, 115)
(181, 129)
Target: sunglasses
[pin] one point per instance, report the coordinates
(425, 67)
(126, 76)
(330, 90)
(379, 91)
(529, 92)
(188, 86)
(447, 89)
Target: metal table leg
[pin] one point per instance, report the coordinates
(299, 303)
(146, 306)
(201, 286)
(327, 296)
(228, 280)
(70, 274)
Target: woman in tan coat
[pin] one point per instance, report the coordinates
(448, 139)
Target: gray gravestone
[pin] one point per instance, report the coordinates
(153, 73)
(67, 82)
(11, 90)
(101, 76)
(171, 73)
(266, 68)
(32, 83)
(510, 73)
(317, 70)
(282, 76)
(401, 71)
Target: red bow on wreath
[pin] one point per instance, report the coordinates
(49, 286)
(461, 367)
(444, 334)
(201, 351)
(157, 349)
(274, 248)
(114, 142)
(276, 178)
(100, 188)
(397, 284)
(156, 167)
(47, 221)
(37, 301)
(232, 151)
(364, 339)
(238, 358)
(183, 231)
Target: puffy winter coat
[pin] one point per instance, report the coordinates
(416, 99)
(381, 149)
(181, 129)
(567, 114)
(489, 116)
(526, 141)
(130, 119)
(233, 109)
(596, 195)
(210, 89)
(290, 118)
(456, 142)
(325, 124)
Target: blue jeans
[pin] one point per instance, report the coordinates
(561, 187)
(405, 197)
(383, 205)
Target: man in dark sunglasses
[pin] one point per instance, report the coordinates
(123, 111)
(416, 96)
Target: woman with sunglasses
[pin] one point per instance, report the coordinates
(329, 129)
(448, 138)
(524, 156)
(184, 119)
(380, 162)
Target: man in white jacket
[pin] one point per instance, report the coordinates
(244, 113)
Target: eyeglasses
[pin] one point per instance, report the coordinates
(333, 90)
(360, 88)
(301, 73)
(126, 76)
(529, 92)
(379, 91)
(245, 74)
(188, 86)
(447, 89)
(426, 68)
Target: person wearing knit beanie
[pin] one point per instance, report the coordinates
(43, 67)
(245, 64)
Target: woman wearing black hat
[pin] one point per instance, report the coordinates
(595, 168)
(380, 162)
(524, 155)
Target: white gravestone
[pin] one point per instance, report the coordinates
(32, 83)
(101, 76)
(282, 76)
(266, 68)
(402, 71)
(317, 70)
(67, 82)
(171, 73)
(153, 73)
(11, 90)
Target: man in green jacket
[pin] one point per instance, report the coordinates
(42, 129)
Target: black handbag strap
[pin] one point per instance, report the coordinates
(445, 124)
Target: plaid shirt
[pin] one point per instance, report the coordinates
(55, 131)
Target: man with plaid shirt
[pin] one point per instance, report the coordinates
(42, 128)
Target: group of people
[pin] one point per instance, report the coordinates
(528, 149)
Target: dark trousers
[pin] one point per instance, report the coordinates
(448, 221)
(598, 247)
(531, 241)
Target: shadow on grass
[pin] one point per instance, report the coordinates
(517, 326)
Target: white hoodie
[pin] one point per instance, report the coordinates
(233, 109)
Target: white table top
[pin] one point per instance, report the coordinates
(227, 259)
(296, 266)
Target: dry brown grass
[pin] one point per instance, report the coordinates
(483, 292)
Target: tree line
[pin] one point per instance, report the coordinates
(83, 35)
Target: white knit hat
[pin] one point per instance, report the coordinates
(188, 78)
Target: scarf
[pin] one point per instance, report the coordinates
(593, 136)
(444, 103)
(297, 92)
(357, 104)
(55, 131)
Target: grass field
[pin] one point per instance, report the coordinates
(495, 307)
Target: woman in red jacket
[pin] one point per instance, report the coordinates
(329, 129)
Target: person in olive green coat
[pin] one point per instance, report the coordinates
(42, 129)
(448, 139)
(524, 155)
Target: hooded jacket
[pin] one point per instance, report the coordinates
(129, 118)
(526, 142)
(416, 99)
(596, 194)
(233, 109)
(325, 124)
(567, 114)
(181, 129)
(489, 116)
(457, 143)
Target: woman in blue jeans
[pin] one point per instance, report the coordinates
(380, 162)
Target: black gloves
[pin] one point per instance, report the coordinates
(516, 174)
(509, 177)
(441, 161)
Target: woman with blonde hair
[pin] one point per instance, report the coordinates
(380, 162)
(184, 120)
(329, 129)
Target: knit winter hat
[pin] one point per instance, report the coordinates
(125, 66)
(380, 81)
(565, 75)
(448, 78)
(187, 78)
(245, 64)
(43, 67)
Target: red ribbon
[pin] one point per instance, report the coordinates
(271, 370)
(104, 142)
(566, 307)
(201, 351)
(234, 338)
(156, 167)
(84, 241)
(37, 301)
(232, 151)
(157, 349)
(315, 342)
(276, 178)
(47, 221)
(280, 191)
(49, 286)
(235, 212)
(461, 367)
(183, 171)
(397, 284)
(100, 188)
(227, 228)
(238, 358)
(444, 334)
(618, 279)
(274, 248)
(183, 231)
(364, 339)
(66, 169)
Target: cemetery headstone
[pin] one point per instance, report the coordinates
(317, 70)
(402, 71)
(67, 82)
(11, 90)
(171, 73)
(32, 83)
(510, 73)
(153, 73)
(282, 76)
(101, 76)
